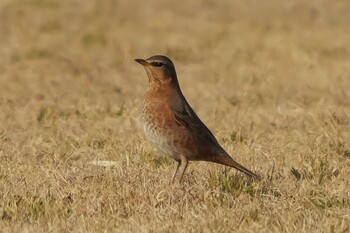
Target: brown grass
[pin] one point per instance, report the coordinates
(270, 78)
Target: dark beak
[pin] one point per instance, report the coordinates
(141, 61)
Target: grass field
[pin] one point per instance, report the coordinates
(270, 78)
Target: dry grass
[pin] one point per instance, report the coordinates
(270, 78)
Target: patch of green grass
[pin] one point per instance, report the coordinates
(156, 160)
(51, 26)
(236, 185)
(94, 39)
(43, 112)
(319, 170)
(97, 143)
(160, 161)
(120, 111)
(40, 3)
(2, 134)
(323, 200)
(342, 149)
(236, 137)
(38, 54)
(32, 207)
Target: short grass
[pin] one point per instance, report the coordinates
(270, 78)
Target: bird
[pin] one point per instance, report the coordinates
(171, 125)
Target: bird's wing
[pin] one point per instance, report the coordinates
(186, 117)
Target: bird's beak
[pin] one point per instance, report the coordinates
(142, 61)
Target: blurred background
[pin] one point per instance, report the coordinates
(59, 59)
(51, 49)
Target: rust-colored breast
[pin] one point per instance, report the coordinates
(163, 131)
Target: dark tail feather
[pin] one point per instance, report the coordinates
(228, 161)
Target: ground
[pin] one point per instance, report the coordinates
(269, 78)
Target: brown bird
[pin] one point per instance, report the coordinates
(170, 124)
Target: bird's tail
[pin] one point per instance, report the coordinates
(228, 161)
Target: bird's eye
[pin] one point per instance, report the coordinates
(157, 63)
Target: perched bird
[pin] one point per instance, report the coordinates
(170, 124)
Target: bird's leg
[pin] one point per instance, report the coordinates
(184, 161)
(177, 168)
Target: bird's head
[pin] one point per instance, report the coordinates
(160, 70)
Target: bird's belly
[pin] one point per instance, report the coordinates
(159, 137)
(163, 131)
